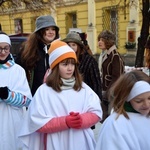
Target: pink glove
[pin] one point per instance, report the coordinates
(74, 120)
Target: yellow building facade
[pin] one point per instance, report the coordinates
(89, 16)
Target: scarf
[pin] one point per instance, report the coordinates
(128, 107)
(7, 63)
(67, 83)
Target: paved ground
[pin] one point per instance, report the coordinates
(96, 130)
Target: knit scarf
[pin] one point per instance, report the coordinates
(7, 63)
(128, 107)
(67, 83)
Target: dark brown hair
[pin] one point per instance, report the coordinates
(30, 55)
(80, 51)
(54, 79)
(120, 90)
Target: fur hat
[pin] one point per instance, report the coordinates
(44, 22)
(5, 39)
(73, 37)
(147, 45)
(58, 52)
(107, 35)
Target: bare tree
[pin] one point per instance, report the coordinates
(30, 5)
(33, 5)
(144, 33)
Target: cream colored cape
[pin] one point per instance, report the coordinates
(48, 104)
(15, 79)
(124, 134)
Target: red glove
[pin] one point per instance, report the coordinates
(74, 120)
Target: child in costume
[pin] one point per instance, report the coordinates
(127, 128)
(15, 96)
(63, 109)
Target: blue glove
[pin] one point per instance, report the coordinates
(3, 92)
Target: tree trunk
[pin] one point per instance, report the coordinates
(144, 34)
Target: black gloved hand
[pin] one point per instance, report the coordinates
(3, 92)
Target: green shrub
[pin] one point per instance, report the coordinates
(130, 45)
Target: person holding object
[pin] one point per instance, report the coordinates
(33, 56)
(15, 96)
(63, 109)
(129, 122)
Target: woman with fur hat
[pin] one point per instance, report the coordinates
(63, 109)
(112, 65)
(127, 127)
(15, 96)
(34, 58)
(88, 66)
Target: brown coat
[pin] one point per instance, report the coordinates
(112, 67)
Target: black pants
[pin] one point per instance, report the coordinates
(104, 105)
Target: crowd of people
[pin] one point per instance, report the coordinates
(55, 92)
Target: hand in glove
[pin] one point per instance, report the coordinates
(3, 92)
(74, 120)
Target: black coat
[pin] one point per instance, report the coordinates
(88, 67)
(37, 74)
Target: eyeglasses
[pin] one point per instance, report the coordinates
(6, 49)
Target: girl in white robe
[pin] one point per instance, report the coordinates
(15, 96)
(63, 109)
(128, 127)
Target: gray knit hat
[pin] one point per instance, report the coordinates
(44, 22)
(73, 37)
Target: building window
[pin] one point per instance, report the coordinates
(110, 21)
(131, 36)
(114, 23)
(74, 20)
(18, 26)
(71, 21)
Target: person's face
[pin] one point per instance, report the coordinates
(73, 45)
(50, 34)
(101, 44)
(141, 103)
(4, 50)
(66, 70)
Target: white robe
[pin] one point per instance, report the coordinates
(48, 104)
(124, 134)
(15, 79)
